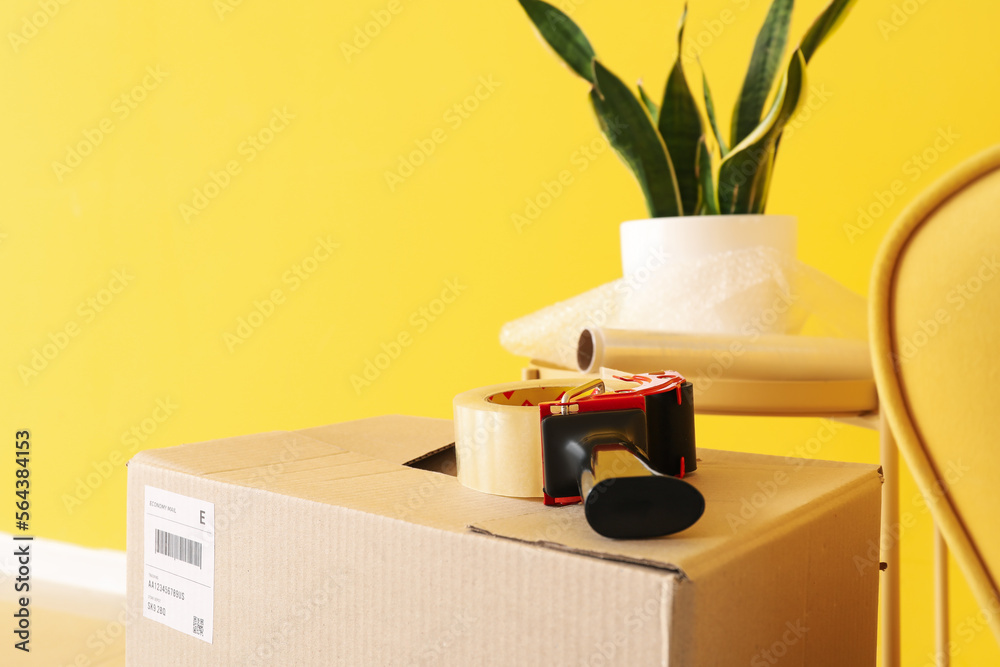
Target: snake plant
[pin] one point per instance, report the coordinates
(667, 146)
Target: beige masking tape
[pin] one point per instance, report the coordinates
(498, 443)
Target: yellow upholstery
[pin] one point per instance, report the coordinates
(935, 318)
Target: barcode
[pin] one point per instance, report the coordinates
(178, 548)
(199, 626)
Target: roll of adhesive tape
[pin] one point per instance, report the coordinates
(498, 443)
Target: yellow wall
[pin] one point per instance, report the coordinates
(167, 95)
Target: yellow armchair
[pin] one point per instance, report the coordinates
(935, 325)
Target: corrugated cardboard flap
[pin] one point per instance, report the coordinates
(357, 465)
(395, 438)
(750, 498)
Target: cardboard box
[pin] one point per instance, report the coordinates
(326, 549)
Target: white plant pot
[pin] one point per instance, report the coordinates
(686, 238)
(662, 242)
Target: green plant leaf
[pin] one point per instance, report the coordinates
(563, 35)
(744, 174)
(647, 101)
(710, 108)
(631, 133)
(824, 26)
(709, 201)
(764, 64)
(762, 184)
(680, 126)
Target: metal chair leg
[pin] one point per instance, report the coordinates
(941, 621)
(889, 604)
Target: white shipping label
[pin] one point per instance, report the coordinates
(179, 557)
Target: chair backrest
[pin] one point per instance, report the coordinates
(935, 323)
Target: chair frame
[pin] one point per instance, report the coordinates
(898, 426)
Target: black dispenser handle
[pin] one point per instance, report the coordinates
(652, 505)
(646, 506)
